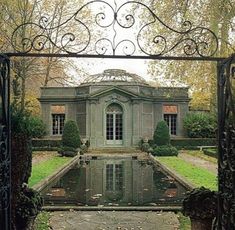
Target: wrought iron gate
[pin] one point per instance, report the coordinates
(5, 156)
(226, 146)
(185, 43)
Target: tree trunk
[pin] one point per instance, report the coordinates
(201, 224)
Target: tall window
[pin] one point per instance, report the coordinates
(58, 119)
(171, 120)
(170, 116)
(114, 124)
(58, 124)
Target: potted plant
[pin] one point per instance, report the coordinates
(200, 205)
(29, 204)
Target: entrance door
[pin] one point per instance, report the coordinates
(114, 123)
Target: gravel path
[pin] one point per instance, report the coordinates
(40, 156)
(113, 220)
(199, 162)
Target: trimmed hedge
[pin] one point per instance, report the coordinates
(49, 144)
(212, 152)
(68, 151)
(38, 143)
(46, 148)
(165, 150)
(193, 143)
(186, 143)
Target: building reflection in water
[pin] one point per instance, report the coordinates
(115, 182)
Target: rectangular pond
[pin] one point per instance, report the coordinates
(114, 181)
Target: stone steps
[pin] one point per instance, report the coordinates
(113, 150)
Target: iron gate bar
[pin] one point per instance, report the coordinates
(5, 154)
(152, 57)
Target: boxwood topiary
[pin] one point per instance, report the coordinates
(161, 135)
(71, 137)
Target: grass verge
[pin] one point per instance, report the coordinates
(185, 223)
(46, 168)
(42, 221)
(196, 175)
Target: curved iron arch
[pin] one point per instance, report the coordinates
(190, 41)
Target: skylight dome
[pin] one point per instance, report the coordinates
(118, 75)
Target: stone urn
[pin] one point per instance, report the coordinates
(200, 205)
(201, 224)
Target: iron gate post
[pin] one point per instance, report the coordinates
(226, 144)
(5, 156)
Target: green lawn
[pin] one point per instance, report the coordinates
(196, 175)
(46, 168)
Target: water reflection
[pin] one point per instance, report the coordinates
(115, 182)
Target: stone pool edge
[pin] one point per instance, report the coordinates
(112, 208)
(182, 180)
(59, 172)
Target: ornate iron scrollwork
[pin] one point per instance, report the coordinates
(226, 148)
(5, 159)
(116, 26)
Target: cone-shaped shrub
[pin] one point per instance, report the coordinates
(161, 135)
(71, 137)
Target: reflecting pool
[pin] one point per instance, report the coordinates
(114, 181)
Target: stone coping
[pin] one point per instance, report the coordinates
(59, 172)
(173, 173)
(112, 208)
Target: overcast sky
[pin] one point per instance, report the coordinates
(94, 66)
